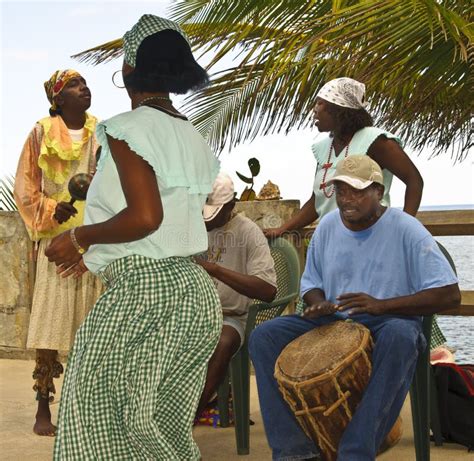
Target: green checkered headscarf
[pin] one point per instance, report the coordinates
(148, 24)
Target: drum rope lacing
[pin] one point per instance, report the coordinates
(295, 398)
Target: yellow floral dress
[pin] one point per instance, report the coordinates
(49, 159)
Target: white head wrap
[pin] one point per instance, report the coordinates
(345, 92)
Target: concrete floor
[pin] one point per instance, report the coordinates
(18, 443)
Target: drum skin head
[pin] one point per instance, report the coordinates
(322, 349)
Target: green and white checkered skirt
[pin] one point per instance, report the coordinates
(137, 368)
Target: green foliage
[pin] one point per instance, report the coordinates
(248, 193)
(415, 57)
(244, 178)
(102, 53)
(7, 202)
(254, 166)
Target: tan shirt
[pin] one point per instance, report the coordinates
(240, 246)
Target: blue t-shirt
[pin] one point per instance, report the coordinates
(395, 257)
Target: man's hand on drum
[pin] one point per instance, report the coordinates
(357, 303)
(318, 310)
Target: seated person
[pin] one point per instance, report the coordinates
(242, 267)
(379, 267)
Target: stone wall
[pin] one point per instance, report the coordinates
(16, 283)
(268, 213)
(273, 213)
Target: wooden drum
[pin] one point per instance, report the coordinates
(322, 376)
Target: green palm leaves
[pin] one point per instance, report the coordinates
(101, 53)
(7, 201)
(415, 57)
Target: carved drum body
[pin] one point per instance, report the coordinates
(322, 376)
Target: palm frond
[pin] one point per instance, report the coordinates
(101, 53)
(414, 56)
(7, 202)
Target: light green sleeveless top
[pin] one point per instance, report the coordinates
(359, 145)
(185, 170)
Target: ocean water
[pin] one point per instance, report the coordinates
(459, 331)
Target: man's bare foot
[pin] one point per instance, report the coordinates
(43, 425)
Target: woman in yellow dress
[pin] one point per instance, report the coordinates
(58, 147)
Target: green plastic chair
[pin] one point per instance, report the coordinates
(423, 394)
(287, 266)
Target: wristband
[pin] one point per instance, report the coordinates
(72, 234)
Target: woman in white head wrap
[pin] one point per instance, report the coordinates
(340, 111)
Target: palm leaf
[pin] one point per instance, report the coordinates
(7, 201)
(101, 53)
(414, 57)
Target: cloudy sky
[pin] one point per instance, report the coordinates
(38, 37)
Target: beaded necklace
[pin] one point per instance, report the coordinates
(149, 100)
(215, 258)
(153, 98)
(169, 112)
(326, 167)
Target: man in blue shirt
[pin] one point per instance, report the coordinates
(380, 267)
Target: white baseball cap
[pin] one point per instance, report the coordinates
(222, 193)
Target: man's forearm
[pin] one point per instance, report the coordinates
(305, 216)
(314, 296)
(247, 285)
(424, 302)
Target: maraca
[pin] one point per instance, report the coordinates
(78, 186)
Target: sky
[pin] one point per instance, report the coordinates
(38, 37)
